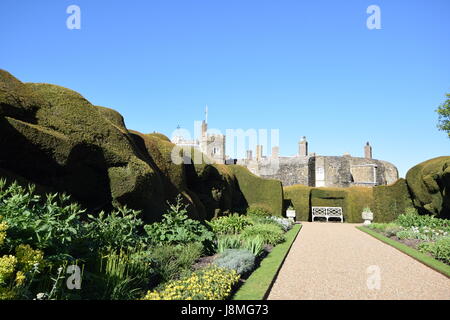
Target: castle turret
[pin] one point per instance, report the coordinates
(303, 147)
(368, 151)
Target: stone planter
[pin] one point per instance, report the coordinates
(290, 214)
(367, 217)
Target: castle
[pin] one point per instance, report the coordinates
(213, 145)
(321, 171)
(304, 168)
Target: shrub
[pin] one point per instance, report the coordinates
(389, 229)
(119, 229)
(51, 224)
(212, 283)
(285, 224)
(257, 211)
(270, 234)
(172, 261)
(177, 228)
(240, 260)
(254, 244)
(267, 195)
(412, 219)
(123, 275)
(225, 242)
(440, 249)
(231, 224)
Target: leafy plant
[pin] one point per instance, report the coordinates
(285, 224)
(231, 224)
(118, 229)
(412, 219)
(269, 233)
(172, 261)
(177, 228)
(254, 244)
(51, 224)
(440, 249)
(240, 260)
(257, 211)
(225, 242)
(124, 277)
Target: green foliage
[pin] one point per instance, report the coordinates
(124, 274)
(118, 229)
(177, 228)
(225, 242)
(440, 249)
(389, 229)
(51, 224)
(231, 224)
(429, 183)
(412, 219)
(268, 194)
(444, 116)
(390, 201)
(257, 211)
(173, 261)
(285, 224)
(299, 195)
(254, 244)
(269, 233)
(240, 260)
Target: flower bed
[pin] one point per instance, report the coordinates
(46, 241)
(427, 234)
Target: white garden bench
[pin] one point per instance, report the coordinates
(327, 212)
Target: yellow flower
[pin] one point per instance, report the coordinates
(7, 265)
(20, 278)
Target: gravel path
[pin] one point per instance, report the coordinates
(337, 261)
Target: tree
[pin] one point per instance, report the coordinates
(444, 115)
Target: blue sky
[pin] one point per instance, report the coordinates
(308, 68)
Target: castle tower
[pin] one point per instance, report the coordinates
(368, 151)
(303, 147)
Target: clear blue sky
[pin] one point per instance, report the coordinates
(305, 67)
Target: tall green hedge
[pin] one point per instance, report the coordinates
(390, 201)
(299, 196)
(429, 184)
(258, 192)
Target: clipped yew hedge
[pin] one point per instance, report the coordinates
(258, 192)
(429, 184)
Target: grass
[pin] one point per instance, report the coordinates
(261, 280)
(419, 256)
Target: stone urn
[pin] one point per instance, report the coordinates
(290, 213)
(367, 216)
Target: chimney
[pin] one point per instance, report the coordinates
(275, 152)
(259, 152)
(368, 151)
(303, 147)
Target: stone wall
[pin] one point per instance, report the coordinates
(324, 171)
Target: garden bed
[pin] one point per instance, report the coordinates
(258, 285)
(425, 238)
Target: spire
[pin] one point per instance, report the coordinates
(206, 114)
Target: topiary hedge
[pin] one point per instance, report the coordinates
(429, 184)
(390, 201)
(299, 196)
(258, 192)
